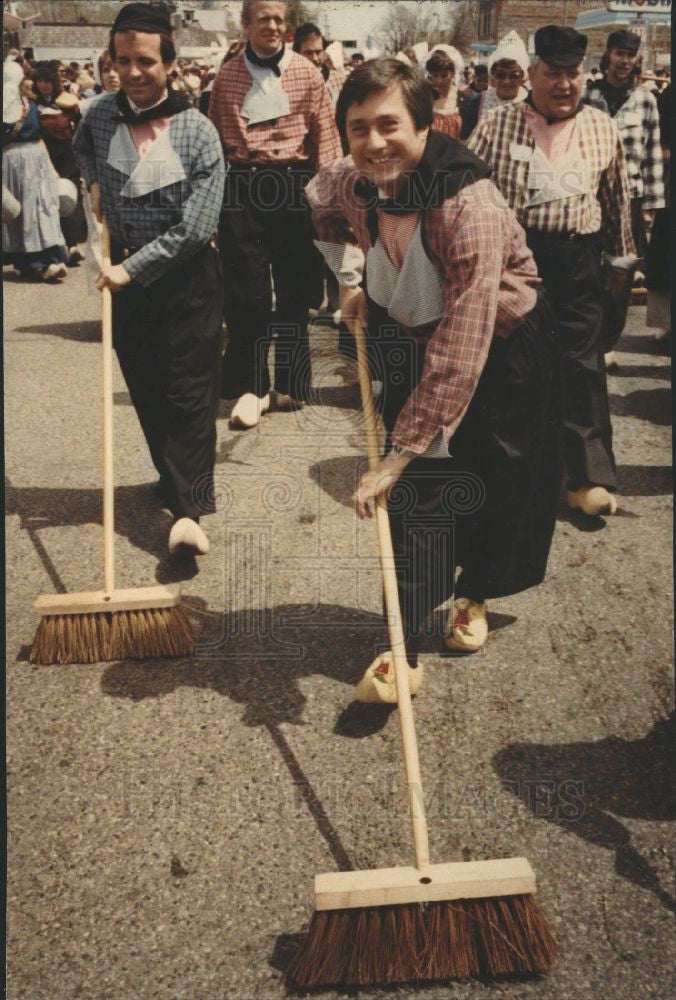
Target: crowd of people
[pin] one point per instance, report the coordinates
(485, 224)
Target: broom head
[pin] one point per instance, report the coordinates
(95, 627)
(395, 925)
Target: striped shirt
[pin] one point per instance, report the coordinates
(308, 134)
(488, 276)
(506, 142)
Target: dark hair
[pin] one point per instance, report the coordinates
(305, 31)
(167, 47)
(481, 68)
(357, 55)
(605, 62)
(378, 75)
(104, 58)
(439, 62)
(48, 71)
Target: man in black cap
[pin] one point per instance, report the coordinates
(154, 168)
(560, 165)
(634, 111)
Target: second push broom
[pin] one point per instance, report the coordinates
(428, 921)
(111, 624)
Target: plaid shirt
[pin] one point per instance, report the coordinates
(308, 134)
(638, 122)
(605, 206)
(175, 220)
(489, 280)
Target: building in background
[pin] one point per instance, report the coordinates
(76, 30)
(593, 17)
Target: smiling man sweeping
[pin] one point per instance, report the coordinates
(466, 348)
(155, 170)
(465, 343)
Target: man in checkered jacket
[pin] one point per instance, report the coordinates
(154, 168)
(634, 111)
(431, 258)
(275, 119)
(560, 165)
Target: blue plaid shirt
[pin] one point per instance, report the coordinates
(173, 215)
(639, 125)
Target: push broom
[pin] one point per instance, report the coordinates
(111, 624)
(430, 921)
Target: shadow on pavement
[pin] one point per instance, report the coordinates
(583, 787)
(645, 480)
(256, 657)
(646, 404)
(87, 332)
(338, 477)
(136, 517)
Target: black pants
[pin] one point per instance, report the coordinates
(264, 228)
(168, 338)
(616, 304)
(571, 272)
(490, 508)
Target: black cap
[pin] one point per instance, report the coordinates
(624, 39)
(143, 17)
(560, 47)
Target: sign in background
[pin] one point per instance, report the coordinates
(640, 6)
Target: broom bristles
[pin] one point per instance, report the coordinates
(97, 637)
(460, 939)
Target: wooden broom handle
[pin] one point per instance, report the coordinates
(108, 494)
(394, 622)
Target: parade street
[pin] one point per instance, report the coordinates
(167, 817)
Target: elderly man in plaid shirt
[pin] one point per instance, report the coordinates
(154, 167)
(634, 111)
(276, 123)
(560, 166)
(430, 257)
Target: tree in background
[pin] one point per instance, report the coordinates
(454, 23)
(296, 14)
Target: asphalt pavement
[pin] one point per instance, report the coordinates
(166, 818)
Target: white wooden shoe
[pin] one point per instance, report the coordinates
(186, 534)
(467, 626)
(379, 685)
(592, 500)
(249, 409)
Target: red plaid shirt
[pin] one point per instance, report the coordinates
(489, 280)
(307, 134)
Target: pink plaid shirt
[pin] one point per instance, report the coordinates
(307, 135)
(489, 281)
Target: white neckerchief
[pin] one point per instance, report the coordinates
(266, 99)
(412, 295)
(568, 178)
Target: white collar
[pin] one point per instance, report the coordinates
(137, 111)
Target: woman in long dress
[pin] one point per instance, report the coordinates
(32, 241)
(59, 116)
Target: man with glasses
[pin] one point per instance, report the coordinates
(508, 68)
